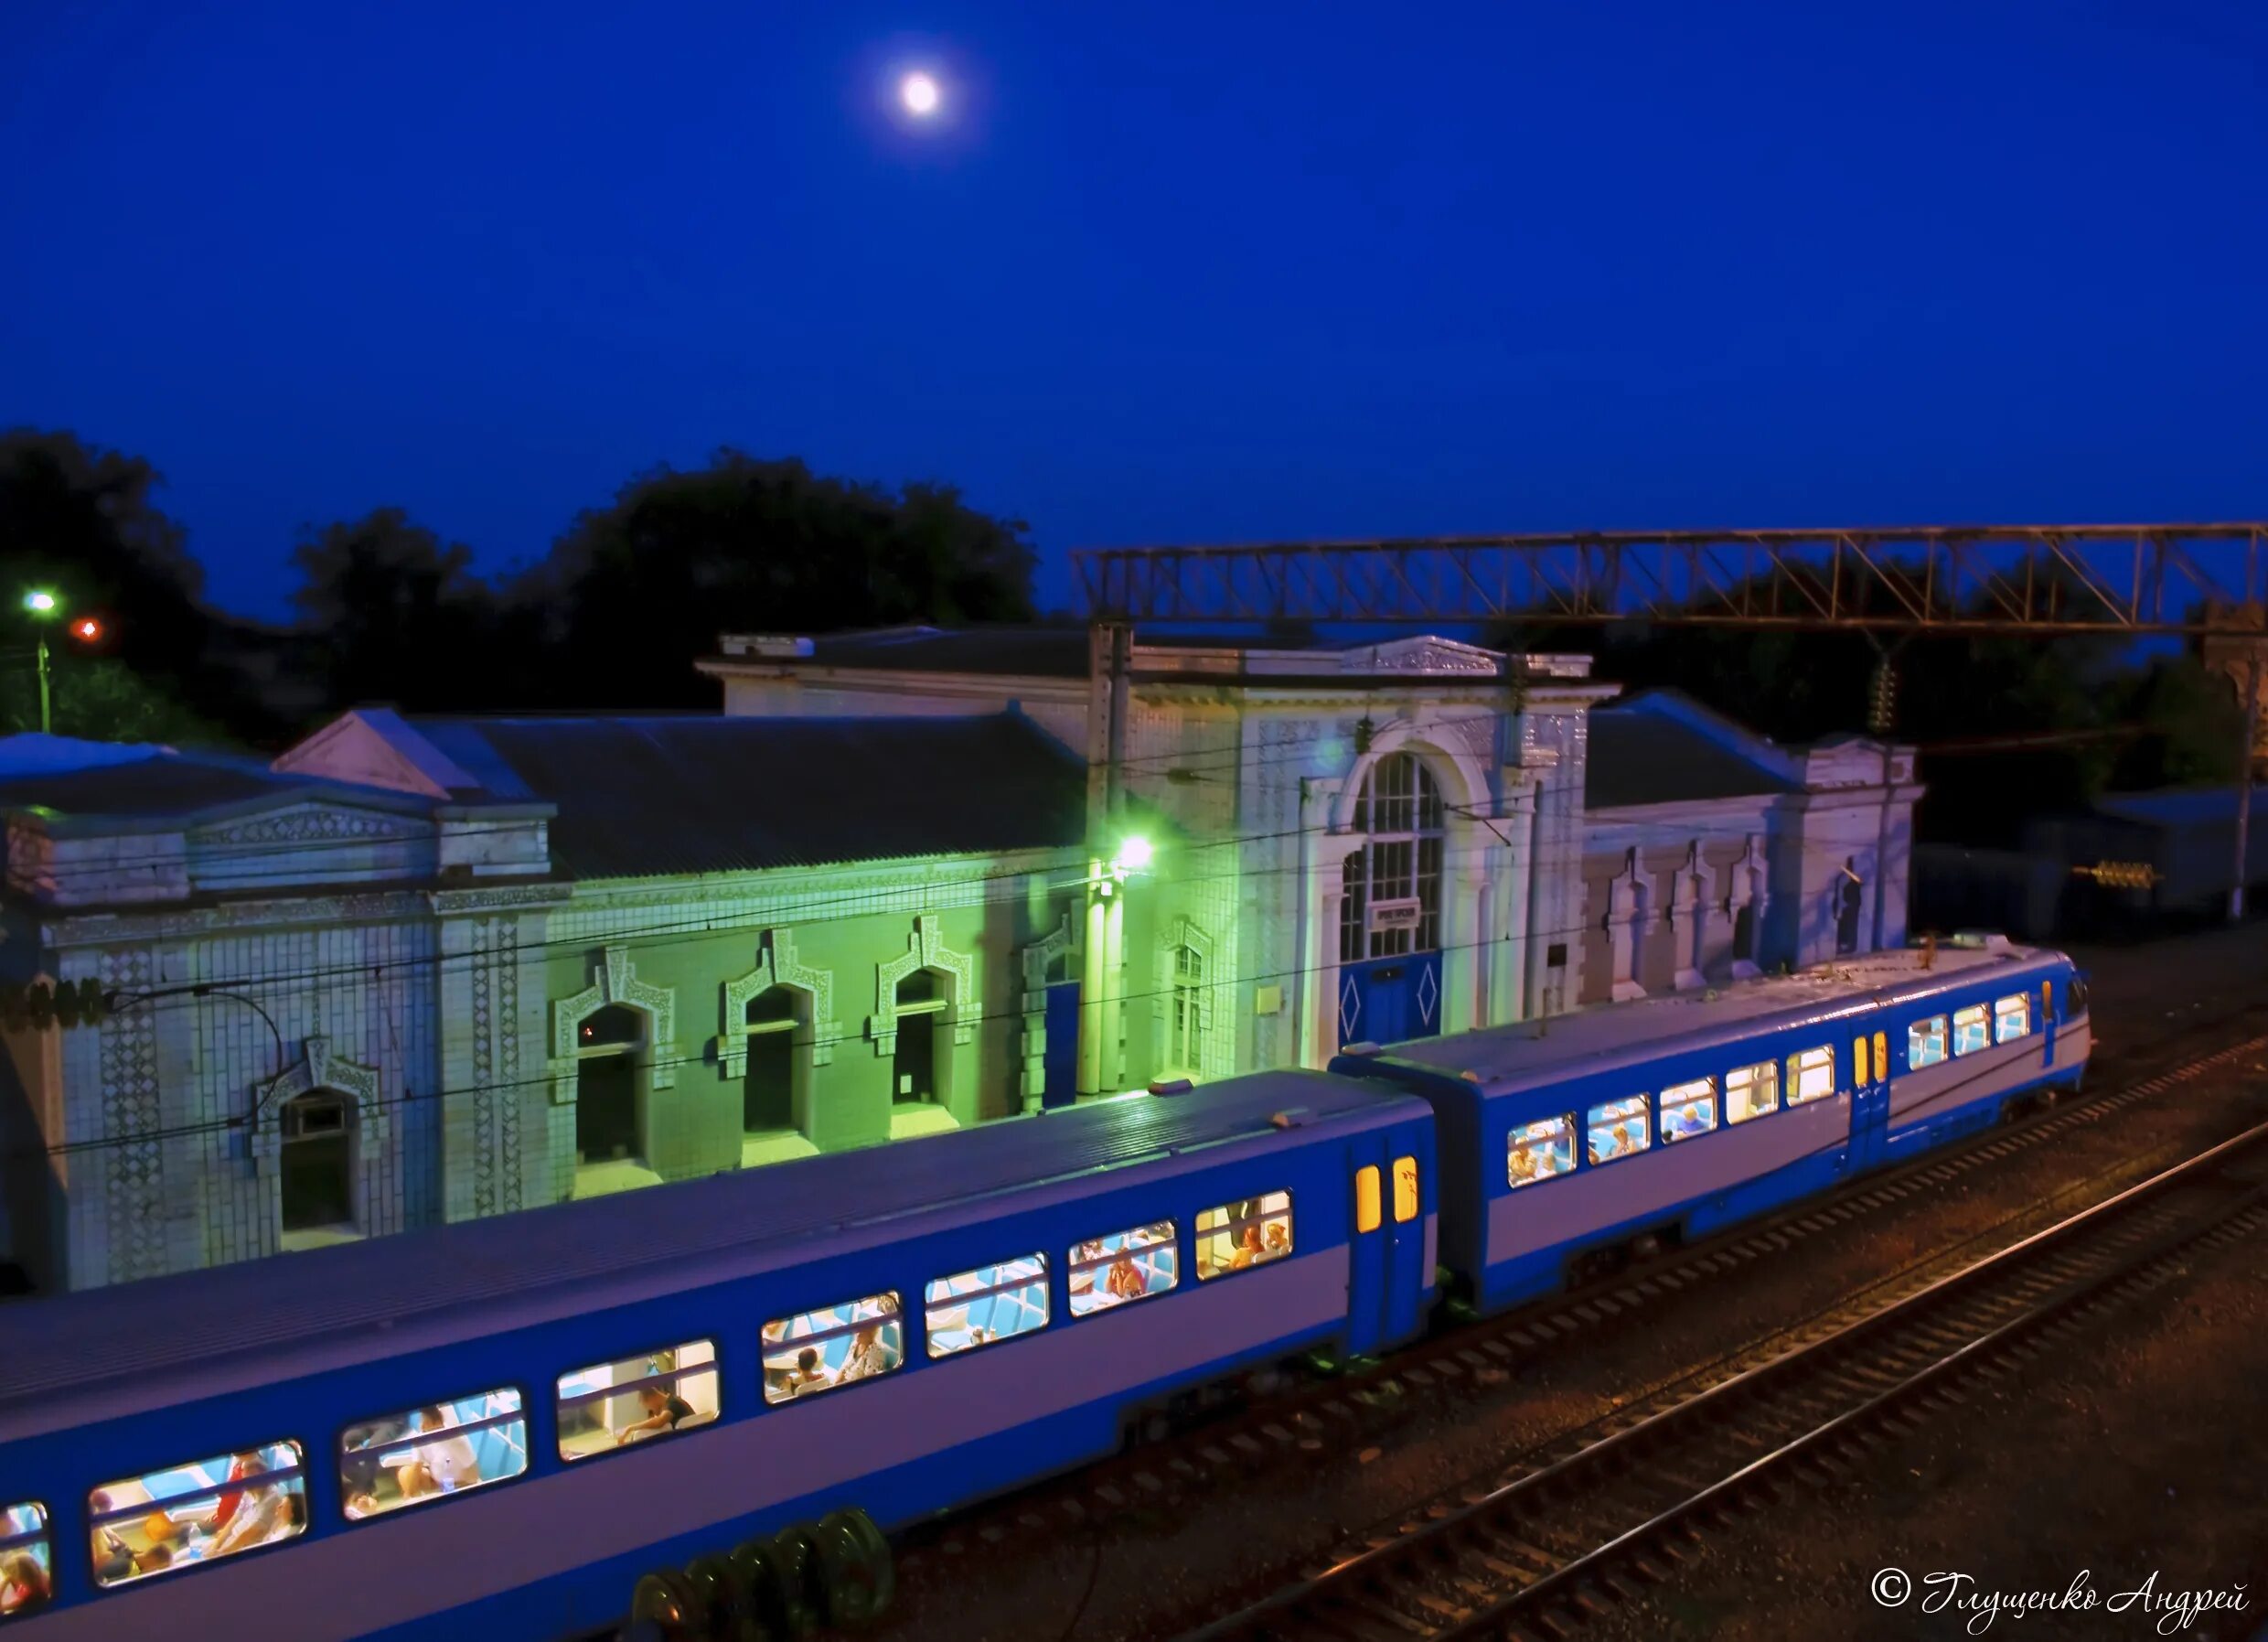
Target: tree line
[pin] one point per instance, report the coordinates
(387, 611)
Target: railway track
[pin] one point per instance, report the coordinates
(1575, 1530)
(1366, 1404)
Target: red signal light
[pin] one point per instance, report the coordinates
(86, 629)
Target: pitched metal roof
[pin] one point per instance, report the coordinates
(1648, 751)
(648, 796)
(149, 787)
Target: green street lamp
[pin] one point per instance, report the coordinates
(44, 606)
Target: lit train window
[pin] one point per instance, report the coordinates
(1538, 1151)
(1688, 1109)
(1971, 1032)
(835, 1346)
(1925, 1043)
(1616, 1130)
(986, 1305)
(1126, 1265)
(27, 1560)
(1753, 1091)
(1250, 1232)
(637, 1398)
(1810, 1075)
(2012, 1017)
(167, 1520)
(1367, 1213)
(1405, 1189)
(443, 1448)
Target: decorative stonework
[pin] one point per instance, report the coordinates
(779, 965)
(1751, 893)
(614, 980)
(1428, 655)
(133, 1164)
(312, 825)
(1184, 932)
(1630, 903)
(317, 1069)
(1691, 909)
(496, 1162)
(924, 949)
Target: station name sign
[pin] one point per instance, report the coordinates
(1395, 915)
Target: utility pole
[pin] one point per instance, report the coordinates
(2244, 778)
(47, 717)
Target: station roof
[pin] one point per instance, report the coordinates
(455, 1277)
(1663, 748)
(641, 797)
(1504, 1059)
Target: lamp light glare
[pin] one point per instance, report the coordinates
(919, 94)
(1133, 855)
(39, 603)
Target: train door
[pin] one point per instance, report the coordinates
(1388, 1283)
(1367, 1245)
(1870, 1099)
(2047, 1022)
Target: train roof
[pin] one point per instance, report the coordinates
(676, 1233)
(1507, 1060)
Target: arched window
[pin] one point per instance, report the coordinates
(914, 1070)
(768, 1092)
(317, 1160)
(606, 1051)
(1184, 1039)
(1393, 884)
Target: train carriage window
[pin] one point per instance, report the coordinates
(1688, 1109)
(1971, 1031)
(986, 1305)
(1538, 1151)
(1405, 1189)
(1810, 1075)
(1367, 1211)
(1126, 1265)
(166, 1521)
(1250, 1232)
(447, 1447)
(817, 1351)
(1859, 1077)
(1925, 1043)
(1617, 1128)
(1751, 1091)
(2012, 1017)
(27, 1560)
(2074, 997)
(637, 1398)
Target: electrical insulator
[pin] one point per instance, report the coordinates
(1883, 698)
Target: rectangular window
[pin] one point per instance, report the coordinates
(986, 1305)
(1859, 1063)
(2012, 1017)
(154, 1524)
(1925, 1043)
(1540, 1149)
(1971, 1031)
(1810, 1075)
(442, 1448)
(835, 1346)
(1369, 1212)
(1882, 1056)
(1688, 1109)
(1752, 1091)
(1126, 1265)
(1617, 1128)
(1247, 1233)
(637, 1398)
(1405, 1190)
(27, 1560)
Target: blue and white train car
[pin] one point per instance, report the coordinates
(1564, 1141)
(491, 1430)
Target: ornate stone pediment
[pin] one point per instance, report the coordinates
(924, 949)
(1426, 656)
(308, 823)
(614, 980)
(317, 1069)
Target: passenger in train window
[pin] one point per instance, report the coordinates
(442, 1465)
(240, 1467)
(1688, 1109)
(24, 1584)
(1751, 1091)
(1617, 1128)
(1541, 1150)
(268, 1514)
(869, 1356)
(663, 1410)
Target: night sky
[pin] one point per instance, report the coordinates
(1161, 272)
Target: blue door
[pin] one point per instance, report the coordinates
(1390, 1000)
(1870, 1099)
(1061, 1065)
(1389, 1283)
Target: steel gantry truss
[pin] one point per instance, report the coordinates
(2046, 579)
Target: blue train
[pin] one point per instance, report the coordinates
(492, 1430)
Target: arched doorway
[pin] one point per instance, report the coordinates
(768, 1088)
(315, 1161)
(916, 1067)
(606, 1107)
(1390, 913)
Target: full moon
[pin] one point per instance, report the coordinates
(919, 94)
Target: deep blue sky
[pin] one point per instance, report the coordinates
(1172, 272)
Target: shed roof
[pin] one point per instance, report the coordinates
(642, 796)
(1661, 749)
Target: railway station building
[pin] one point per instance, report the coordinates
(420, 970)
